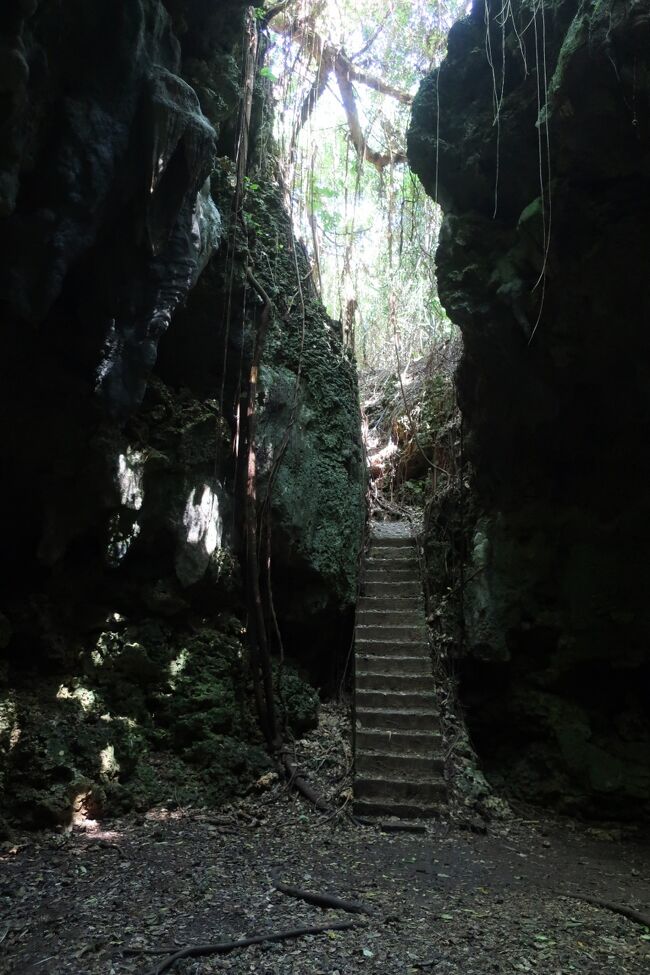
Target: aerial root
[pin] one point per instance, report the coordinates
(637, 916)
(325, 901)
(223, 947)
(298, 782)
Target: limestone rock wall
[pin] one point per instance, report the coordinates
(542, 263)
(121, 609)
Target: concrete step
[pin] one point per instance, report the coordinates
(412, 719)
(391, 699)
(391, 588)
(395, 563)
(390, 764)
(377, 551)
(410, 603)
(402, 666)
(370, 681)
(391, 541)
(391, 788)
(399, 742)
(399, 634)
(392, 648)
(398, 758)
(389, 616)
(393, 575)
(406, 810)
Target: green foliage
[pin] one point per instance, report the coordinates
(158, 714)
(438, 403)
(323, 462)
(300, 701)
(413, 492)
(59, 750)
(375, 232)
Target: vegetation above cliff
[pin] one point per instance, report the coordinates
(344, 79)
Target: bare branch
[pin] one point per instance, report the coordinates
(273, 12)
(377, 84)
(224, 947)
(325, 901)
(323, 73)
(378, 159)
(329, 58)
(373, 37)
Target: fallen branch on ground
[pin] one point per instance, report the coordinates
(303, 787)
(223, 947)
(637, 916)
(326, 901)
(149, 951)
(298, 782)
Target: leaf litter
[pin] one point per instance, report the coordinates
(116, 898)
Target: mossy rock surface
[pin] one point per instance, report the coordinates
(158, 714)
(542, 263)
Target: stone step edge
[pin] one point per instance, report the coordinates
(388, 656)
(398, 561)
(392, 645)
(399, 780)
(419, 625)
(395, 643)
(391, 682)
(387, 641)
(414, 733)
(392, 590)
(409, 756)
(386, 807)
(383, 605)
(388, 648)
(392, 573)
(398, 582)
(420, 671)
(387, 611)
(380, 748)
(394, 553)
(390, 624)
(388, 620)
(402, 541)
(395, 556)
(415, 597)
(408, 712)
(394, 577)
(391, 675)
(390, 537)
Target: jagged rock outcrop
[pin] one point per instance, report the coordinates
(122, 612)
(542, 264)
(308, 419)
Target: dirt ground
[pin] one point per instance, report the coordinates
(446, 900)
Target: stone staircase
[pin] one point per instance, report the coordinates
(398, 755)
